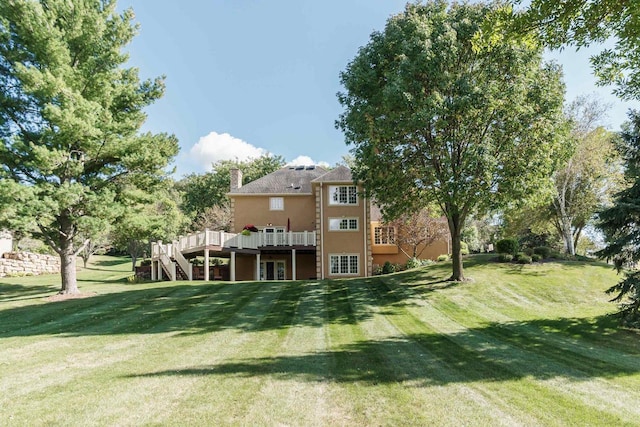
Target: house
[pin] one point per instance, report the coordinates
(308, 223)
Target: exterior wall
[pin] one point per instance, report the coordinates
(343, 242)
(299, 211)
(393, 254)
(26, 263)
(305, 265)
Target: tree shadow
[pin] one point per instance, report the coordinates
(496, 352)
(15, 292)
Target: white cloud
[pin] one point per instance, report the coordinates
(306, 161)
(222, 146)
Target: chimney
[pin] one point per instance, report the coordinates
(236, 179)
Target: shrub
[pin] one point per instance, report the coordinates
(377, 270)
(464, 248)
(505, 258)
(443, 257)
(524, 258)
(388, 268)
(536, 258)
(543, 251)
(507, 246)
(145, 262)
(413, 263)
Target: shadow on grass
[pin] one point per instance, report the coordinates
(497, 352)
(14, 292)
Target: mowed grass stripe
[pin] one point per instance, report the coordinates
(483, 356)
(162, 353)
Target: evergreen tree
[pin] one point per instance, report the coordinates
(621, 225)
(70, 115)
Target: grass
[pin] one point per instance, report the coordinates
(518, 345)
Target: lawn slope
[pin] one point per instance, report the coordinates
(517, 345)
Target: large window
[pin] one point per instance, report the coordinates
(343, 264)
(343, 195)
(384, 236)
(338, 224)
(276, 203)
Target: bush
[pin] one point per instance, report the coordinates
(145, 262)
(413, 263)
(524, 258)
(505, 258)
(536, 258)
(543, 251)
(377, 270)
(388, 268)
(443, 257)
(507, 246)
(464, 248)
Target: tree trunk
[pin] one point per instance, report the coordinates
(455, 228)
(68, 271)
(567, 236)
(134, 260)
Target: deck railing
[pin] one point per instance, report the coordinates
(209, 238)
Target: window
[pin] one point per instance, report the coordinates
(343, 264)
(336, 224)
(384, 236)
(343, 195)
(276, 203)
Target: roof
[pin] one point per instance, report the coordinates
(288, 180)
(337, 175)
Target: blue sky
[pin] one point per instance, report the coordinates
(246, 77)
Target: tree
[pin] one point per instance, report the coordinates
(621, 225)
(214, 218)
(589, 177)
(200, 192)
(70, 115)
(433, 119)
(94, 244)
(583, 22)
(418, 230)
(148, 217)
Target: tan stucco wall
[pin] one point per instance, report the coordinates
(343, 242)
(298, 210)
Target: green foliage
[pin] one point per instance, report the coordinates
(413, 263)
(504, 257)
(442, 257)
(536, 258)
(464, 248)
(621, 226)
(432, 118)
(507, 246)
(523, 258)
(388, 267)
(70, 119)
(543, 251)
(581, 23)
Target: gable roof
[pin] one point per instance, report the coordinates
(337, 175)
(288, 180)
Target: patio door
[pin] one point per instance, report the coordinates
(272, 270)
(273, 236)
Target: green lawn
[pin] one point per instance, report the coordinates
(518, 345)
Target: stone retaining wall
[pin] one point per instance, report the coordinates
(27, 263)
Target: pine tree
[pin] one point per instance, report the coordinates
(621, 225)
(70, 115)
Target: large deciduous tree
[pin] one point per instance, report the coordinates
(70, 115)
(433, 118)
(621, 225)
(587, 180)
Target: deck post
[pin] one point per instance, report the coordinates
(293, 264)
(154, 272)
(232, 266)
(206, 263)
(258, 266)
